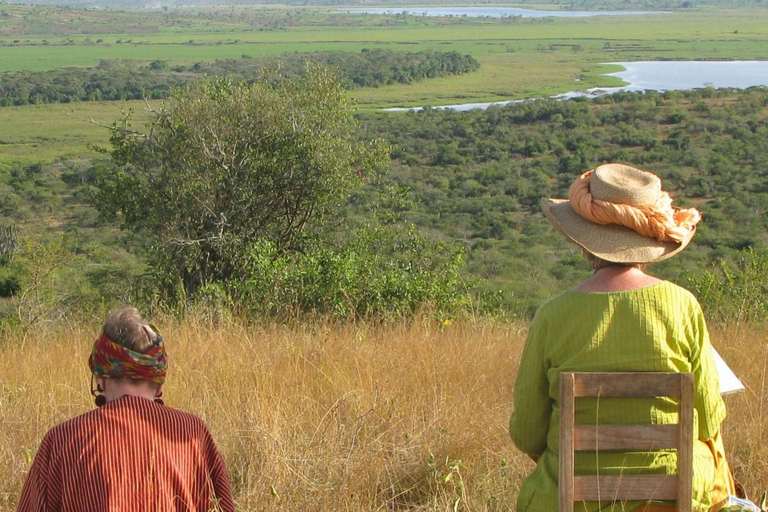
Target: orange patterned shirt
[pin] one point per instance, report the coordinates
(129, 455)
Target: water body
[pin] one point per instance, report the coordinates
(663, 76)
(685, 75)
(491, 12)
(459, 108)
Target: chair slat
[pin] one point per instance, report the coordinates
(565, 489)
(625, 487)
(627, 384)
(685, 450)
(625, 437)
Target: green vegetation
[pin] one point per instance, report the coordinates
(126, 80)
(468, 178)
(735, 293)
(233, 191)
(477, 176)
(56, 132)
(519, 57)
(224, 166)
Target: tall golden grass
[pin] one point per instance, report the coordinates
(352, 417)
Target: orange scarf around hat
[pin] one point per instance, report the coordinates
(660, 221)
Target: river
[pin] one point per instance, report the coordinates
(491, 12)
(661, 76)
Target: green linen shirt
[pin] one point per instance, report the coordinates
(658, 328)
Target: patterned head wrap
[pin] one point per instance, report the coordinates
(108, 359)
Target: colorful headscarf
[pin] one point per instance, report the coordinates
(108, 359)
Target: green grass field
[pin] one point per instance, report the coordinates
(519, 58)
(40, 43)
(46, 133)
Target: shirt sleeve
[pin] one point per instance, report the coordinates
(529, 423)
(34, 494)
(219, 476)
(709, 404)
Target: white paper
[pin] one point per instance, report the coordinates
(729, 382)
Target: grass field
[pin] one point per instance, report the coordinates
(342, 417)
(47, 133)
(519, 59)
(528, 56)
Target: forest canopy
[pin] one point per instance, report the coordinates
(127, 80)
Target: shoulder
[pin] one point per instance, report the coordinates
(681, 296)
(676, 288)
(171, 420)
(189, 426)
(557, 303)
(550, 314)
(72, 433)
(184, 417)
(67, 428)
(129, 410)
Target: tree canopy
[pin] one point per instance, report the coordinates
(224, 165)
(124, 79)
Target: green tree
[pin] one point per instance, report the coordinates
(223, 166)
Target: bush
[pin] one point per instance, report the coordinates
(378, 272)
(735, 292)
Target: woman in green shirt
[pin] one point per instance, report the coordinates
(620, 319)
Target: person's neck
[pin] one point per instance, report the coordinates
(117, 389)
(616, 278)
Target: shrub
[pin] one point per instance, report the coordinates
(378, 272)
(735, 292)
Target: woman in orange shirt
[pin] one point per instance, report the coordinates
(132, 453)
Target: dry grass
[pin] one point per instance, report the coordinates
(350, 417)
(745, 430)
(308, 417)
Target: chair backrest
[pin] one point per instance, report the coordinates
(595, 438)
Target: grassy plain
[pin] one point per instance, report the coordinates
(52, 132)
(520, 57)
(354, 417)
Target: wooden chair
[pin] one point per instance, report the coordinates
(595, 438)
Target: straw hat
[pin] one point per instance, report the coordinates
(621, 184)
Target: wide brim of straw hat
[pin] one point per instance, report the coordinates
(609, 242)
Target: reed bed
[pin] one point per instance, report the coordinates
(341, 417)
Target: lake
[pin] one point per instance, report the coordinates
(662, 76)
(491, 12)
(679, 75)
